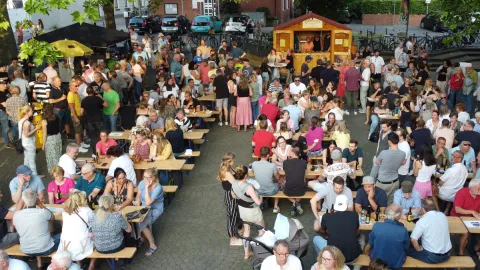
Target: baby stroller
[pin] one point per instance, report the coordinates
(297, 240)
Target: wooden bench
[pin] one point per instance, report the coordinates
(126, 253)
(194, 154)
(199, 141)
(307, 195)
(453, 262)
(201, 130)
(188, 167)
(166, 189)
(209, 119)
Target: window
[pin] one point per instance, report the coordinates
(171, 9)
(115, 3)
(283, 4)
(286, 4)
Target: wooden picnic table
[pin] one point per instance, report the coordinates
(125, 135)
(126, 210)
(168, 165)
(209, 98)
(471, 229)
(438, 175)
(455, 224)
(389, 117)
(311, 174)
(297, 135)
(201, 114)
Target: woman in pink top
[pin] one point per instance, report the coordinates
(60, 187)
(104, 143)
(314, 138)
(285, 117)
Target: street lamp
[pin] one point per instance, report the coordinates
(427, 2)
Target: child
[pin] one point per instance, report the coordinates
(198, 58)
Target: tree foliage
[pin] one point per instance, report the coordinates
(463, 15)
(335, 10)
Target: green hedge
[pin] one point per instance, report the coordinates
(386, 6)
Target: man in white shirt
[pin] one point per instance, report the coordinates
(297, 87)
(453, 179)
(378, 63)
(281, 258)
(365, 85)
(405, 147)
(67, 161)
(13, 264)
(433, 229)
(50, 72)
(120, 161)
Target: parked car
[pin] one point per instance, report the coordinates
(175, 24)
(236, 23)
(433, 22)
(204, 24)
(149, 24)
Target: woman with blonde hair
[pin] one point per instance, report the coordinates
(150, 193)
(76, 217)
(226, 177)
(244, 107)
(175, 136)
(248, 205)
(122, 189)
(342, 135)
(161, 150)
(107, 227)
(52, 138)
(60, 187)
(314, 110)
(28, 130)
(330, 258)
(232, 99)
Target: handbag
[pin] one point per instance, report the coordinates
(86, 224)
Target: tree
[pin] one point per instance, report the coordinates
(109, 13)
(9, 46)
(461, 15)
(335, 10)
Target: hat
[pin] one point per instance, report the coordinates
(407, 187)
(24, 169)
(469, 65)
(368, 180)
(336, 154)
(308, 57)
(3, 81)
(341, 203)
(160, 35)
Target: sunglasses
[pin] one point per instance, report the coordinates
(466, 144)
(444, 97)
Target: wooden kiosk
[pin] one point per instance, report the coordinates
(294, 33)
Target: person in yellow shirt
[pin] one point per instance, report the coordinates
(341, 135)
(74, 103)
(204, 48)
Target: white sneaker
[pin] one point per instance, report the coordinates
(355, 112)
(361, 111)
(82, 150)
(347, 112)
(220, 124)
(226, 123)
(84, 145)
(410, 172)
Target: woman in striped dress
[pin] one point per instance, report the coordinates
(225, 175)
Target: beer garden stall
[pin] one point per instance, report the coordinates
(294, 33)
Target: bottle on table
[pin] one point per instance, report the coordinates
(409, 215)
(369, 213)
(332, 210)
(362, 217)
(377, 213)
(58, 194)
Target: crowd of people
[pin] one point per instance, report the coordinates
(425, 166)
(427, 137)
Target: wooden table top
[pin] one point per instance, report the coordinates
(210, 98)
(125, 135)
(389, 117)
(298, 134)
(201, 114)
(455, 225)
(169, 165)
(127, 209)
(309, 173)
(470, 229)
(438, 175)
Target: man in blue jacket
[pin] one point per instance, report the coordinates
(389, 240)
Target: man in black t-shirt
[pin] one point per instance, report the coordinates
(92, 107)
(306, 70)
(316, 71)
(3, 114)
(60, 103)
(341, 227)
(220, 88)
(469, 135)
(289, 67)
(295, 179)
(190, 103)
(421, 136)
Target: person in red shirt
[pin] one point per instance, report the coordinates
(456, 86)
(262, 138)
(204, 68)
(467, 203)
(271, 111)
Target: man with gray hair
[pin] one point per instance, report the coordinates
(365, 85)
(67, 161)
(21, 83)
(433, 229)
(62, 260)
(467, 203)
(91, 182)
(31, 224)
(389, 240)
(452, 180)
(468, 153)
(468, 134)
(11, 264)
(281, 258)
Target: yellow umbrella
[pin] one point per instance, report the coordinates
(72, 48)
